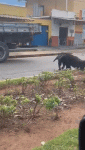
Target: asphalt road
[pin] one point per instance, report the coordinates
(26, 67)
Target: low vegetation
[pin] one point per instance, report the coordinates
(26, 99)
(67, 141)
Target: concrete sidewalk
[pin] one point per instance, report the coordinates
(42, 51)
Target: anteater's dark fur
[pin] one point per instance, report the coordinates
(69, 60)
(61, 60)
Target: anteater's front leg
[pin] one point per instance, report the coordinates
(59, 64)
(63, 66)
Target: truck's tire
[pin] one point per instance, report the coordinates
(4, 52)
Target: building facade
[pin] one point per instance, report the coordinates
(66, 19)
(62, 21)
(44, 7)
(13, 10)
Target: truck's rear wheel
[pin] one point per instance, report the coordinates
(4, 52)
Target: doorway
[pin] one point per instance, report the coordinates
(41, 39)
(63, 32)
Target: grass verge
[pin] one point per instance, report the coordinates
(44, 76)
(67, 141)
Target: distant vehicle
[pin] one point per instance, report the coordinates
(16, 34)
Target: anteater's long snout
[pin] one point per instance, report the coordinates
(55, 58)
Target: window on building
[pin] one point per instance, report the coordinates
(41, 8)
(38, 10)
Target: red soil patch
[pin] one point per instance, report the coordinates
(42, 130)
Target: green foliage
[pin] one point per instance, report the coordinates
(24, 100)
(68, 75)
(24, 85)
(56, 75)
(9, 82)
(36, 83)
(1, 99)
(67, 141)
(51, 102)
(32, 80)
(65, 79)
(29, 107)
(59, 83)
(31, 110)
(18, 81)
(75, 89)
(5, 110)
(3, 84)
(24, 81)
(37, 98)
(7, 105)
(14, 81)
(7, 100)
(44, 76)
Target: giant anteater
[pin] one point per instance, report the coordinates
(69, 60)
(61, 60)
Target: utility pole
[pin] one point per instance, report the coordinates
(66, 5)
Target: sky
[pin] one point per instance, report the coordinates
(12, 2)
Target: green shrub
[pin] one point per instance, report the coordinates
(7, 105)
(5, 110)
(7, 100)
(59, 83)
(24, 100)
(44, 76)
(32, 80)
(9, 82)
(37, 98)
(51, 102)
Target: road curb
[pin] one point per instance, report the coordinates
(40, 54)
(35, 55)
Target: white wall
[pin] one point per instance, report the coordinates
(62, 14)
(56, 26)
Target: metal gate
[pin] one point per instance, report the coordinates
(41, 39)
(78, 39)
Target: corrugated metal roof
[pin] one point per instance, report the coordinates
(76, 20)
(42, 17)
(15, 17)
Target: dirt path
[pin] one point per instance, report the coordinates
(43, 130)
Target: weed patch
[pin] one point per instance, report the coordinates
(24, 99)
(67, 141)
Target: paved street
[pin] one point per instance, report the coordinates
(25, 67)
